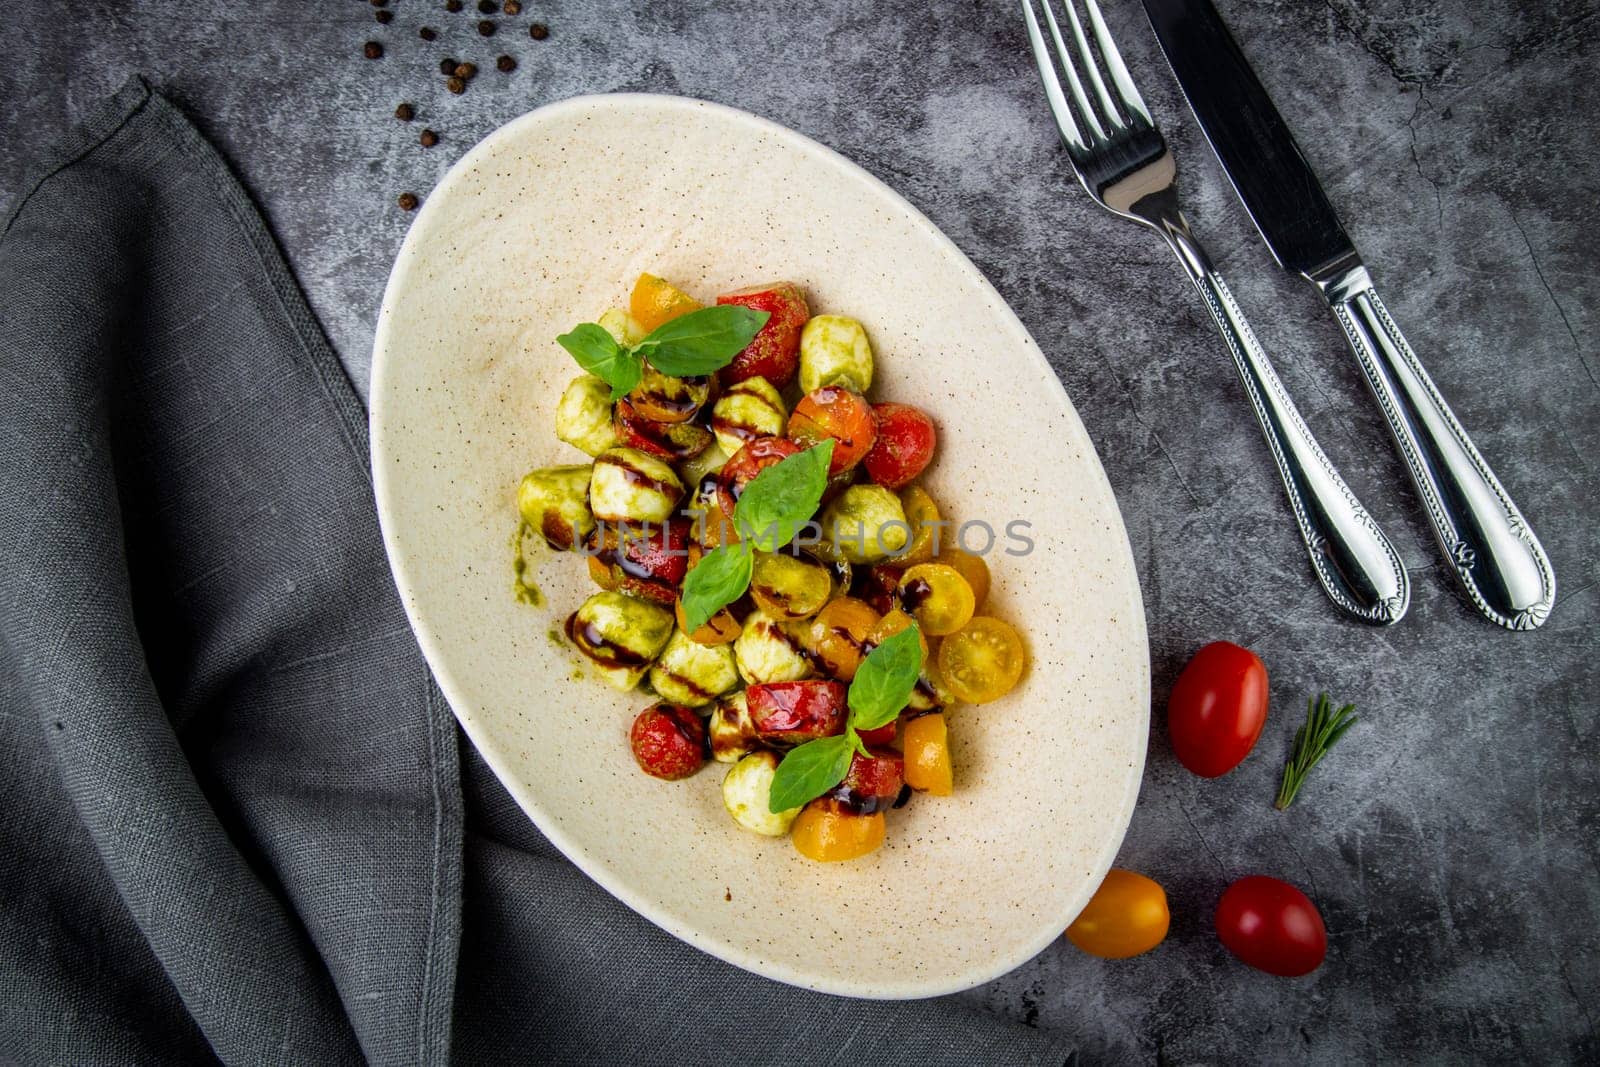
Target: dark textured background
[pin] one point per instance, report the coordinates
(1451, 839)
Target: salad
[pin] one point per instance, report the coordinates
(768, 567)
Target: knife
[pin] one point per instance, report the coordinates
(1496, 557)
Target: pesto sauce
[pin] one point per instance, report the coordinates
(522, 586)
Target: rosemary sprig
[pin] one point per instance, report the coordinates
(1323, 727)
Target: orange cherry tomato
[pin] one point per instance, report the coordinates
(1217, 708)
(982, 661)
(925, 744)
(655, 301)
(937, 597)
(718, 630)
(891, 624)
(1126, 916)
(836, 412)
(836, 638)
(827, 832)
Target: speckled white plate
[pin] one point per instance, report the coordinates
(546, 223)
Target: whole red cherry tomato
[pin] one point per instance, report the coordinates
(774, 353)
(791, 713)
(668, 741)
(1217, 708)
(1272, 926)
(755, 457)
(906, 439)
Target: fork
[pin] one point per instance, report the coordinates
(1123, 162)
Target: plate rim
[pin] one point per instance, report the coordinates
(569, 846)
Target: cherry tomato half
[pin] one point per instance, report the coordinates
(749, 461)
(1272, 926)
(774, 353)
(836, 412)
(1126, 916)
(982, 661)
(906, 439)
(1217, 708)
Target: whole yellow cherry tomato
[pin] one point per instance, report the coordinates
(1126, 916)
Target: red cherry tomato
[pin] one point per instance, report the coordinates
(1272, 926)
(906, 439)
(793, 712)
(670, 441)
(872, 783)
(1217, 708)
(755, 457)
(668, 741)
(881, 737)
(646, 561)
(836, 412)
(774, 354)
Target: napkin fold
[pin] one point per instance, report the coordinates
(238, 820)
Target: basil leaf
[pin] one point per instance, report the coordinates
(884, 681)
(701, 341)
(598, 353)
(783, 497)
(809, 771)
(720, 578)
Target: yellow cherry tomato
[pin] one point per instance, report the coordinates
(982, 661)
(922, 514)
(937, 597)
(1126, 916)
(827, 833)
(655, 301)
(970, 567)
(925, 743)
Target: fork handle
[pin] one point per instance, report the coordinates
(1501, 565)
(1357, 565)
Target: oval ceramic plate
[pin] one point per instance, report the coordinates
(545, 224)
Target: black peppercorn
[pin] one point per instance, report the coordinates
(538, 31)
(428, 139)
(452, 6)
(427, 33)
(505, 64)
(466, 70)
(488, 7)
(372, 50)
(486, 28)
(405, 113)
(380, 3)
(513, 7)
(407, 201)
(383, 17)
(447, 67)
(456, 85)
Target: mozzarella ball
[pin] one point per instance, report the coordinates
(730, 728)
(747, 791)
(747, 410)
(863, 524)
(583, 417)
(630, 486)
(621, 635)
(834, 350)
(692, 674)
(697, 468)
(555, 501)
(623, 327)
(766, 652)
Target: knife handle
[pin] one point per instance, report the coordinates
(1356, 564)
(1498, 560)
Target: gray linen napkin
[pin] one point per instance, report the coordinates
(235, 821)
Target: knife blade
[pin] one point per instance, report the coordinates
(1259, 154)
(1499, 563)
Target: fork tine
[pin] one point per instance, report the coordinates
(1113, 117)
(1131, 100)
(1052, 84)
(1063, 57)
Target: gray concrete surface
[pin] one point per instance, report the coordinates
(1451, 840)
